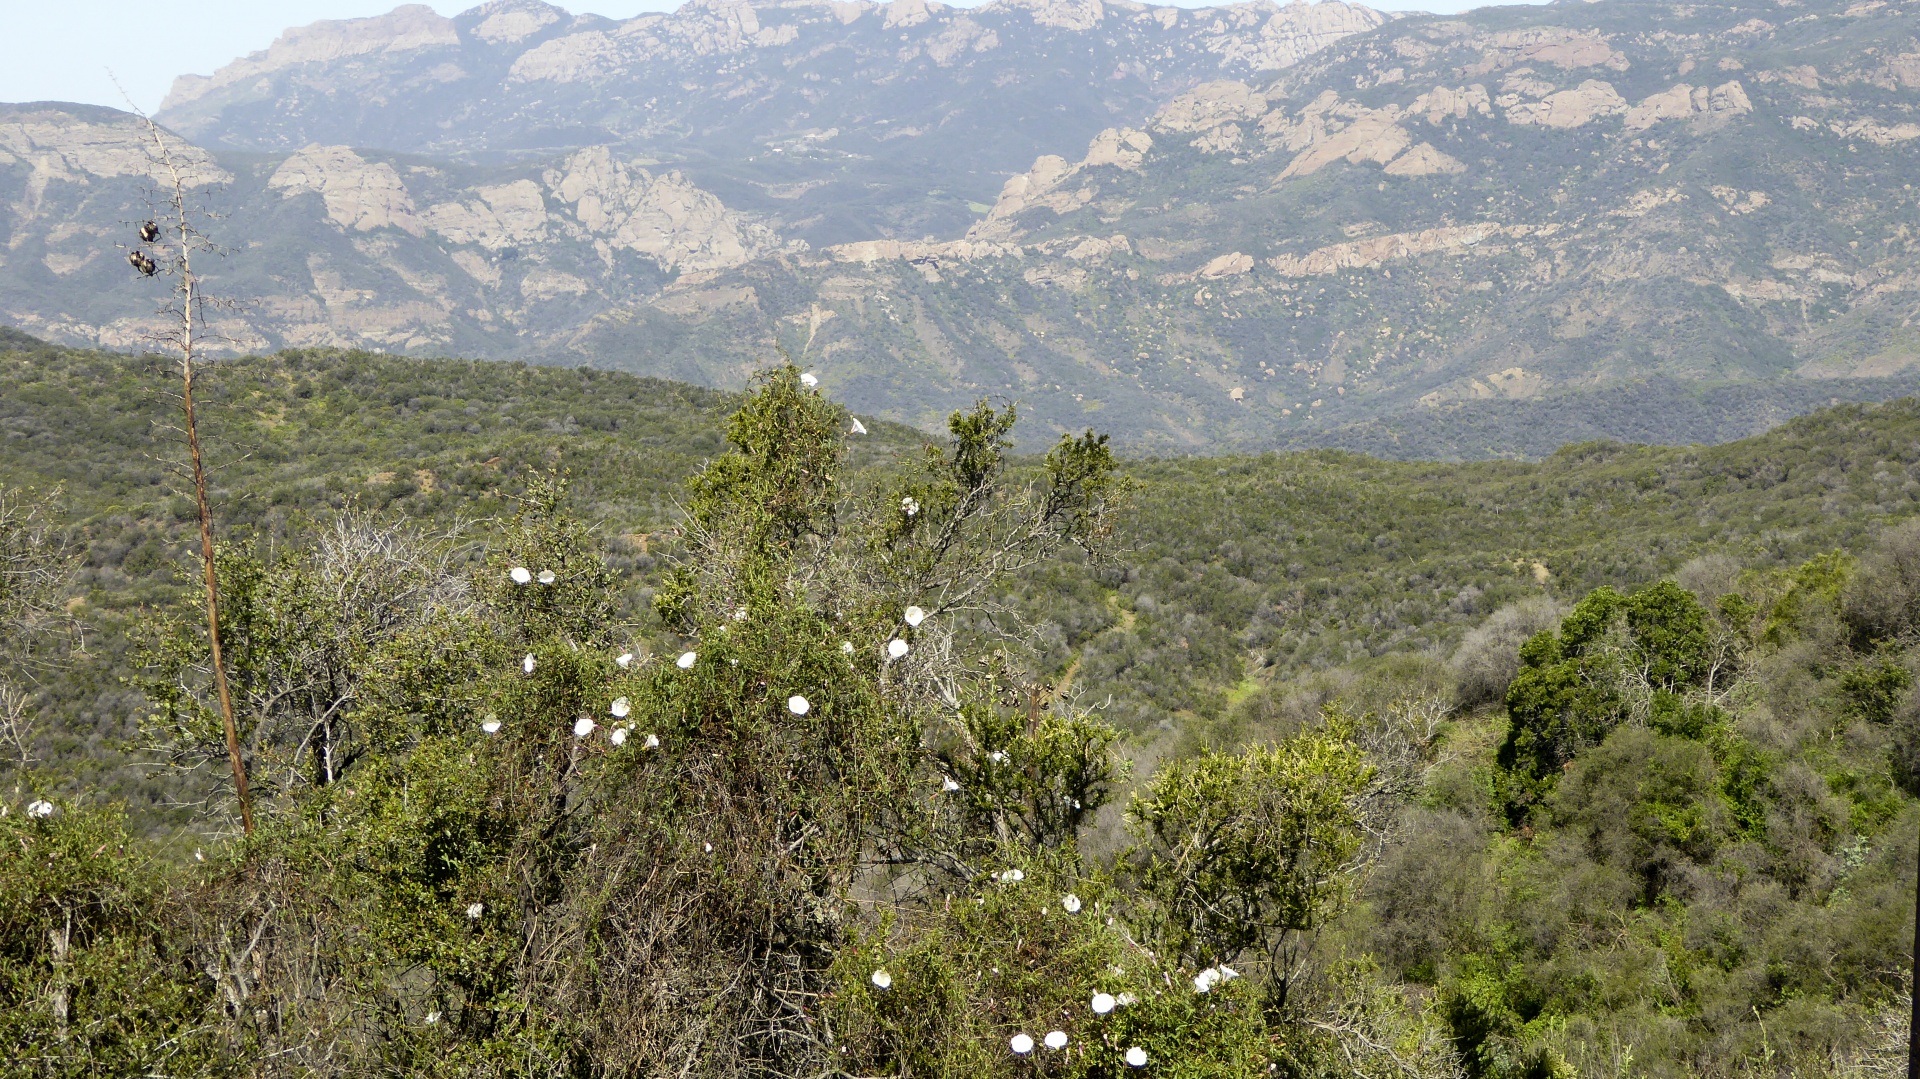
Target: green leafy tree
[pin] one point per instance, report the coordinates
(1252, 852)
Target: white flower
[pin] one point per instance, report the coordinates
(847, 647)
(621, 706)
(896, 648)
(882, 980)
(1102, 1003)
(915, 616)
(625, 660)
(1207, 979)
(520, 575)
(619, 736)
(432, 1018)
(709, 847)
(1021, 1044)
(739, 614)
(547, 577)
(798, 705)
(1071, 902)
(583, 727)
(527, 663)
(685, 662)
(858, 427)
(1136, 1057)
(1227, 973)
(1013, 874)
(475, 910)
(809, 380)
(947, 784)
(910, 506)
(40, 807)
(1057, 1039)
(1126, 999)
(197, 856)
(653, 741)
(491, 726)
(997, 757)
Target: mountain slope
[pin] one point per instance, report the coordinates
(851, 120)
(1236, 227)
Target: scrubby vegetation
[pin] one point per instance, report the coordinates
(825, 756)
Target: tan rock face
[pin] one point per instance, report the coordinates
(1232, 264)
(1583, 104)
(1371, 253)
(1119, 147)
(1425, 160)
(514, 22)
(911, 250)
(664, 218)
(1210, 105)
(62, 150)
(1443, 103)
(1291, 34)
(359, 194)
(408, 28)
(904, 13)
(1061, 14)
(1044, 185)
(708, 28)
(1554, 45)
(507, 215)
(1684, 102)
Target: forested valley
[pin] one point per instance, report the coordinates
(597, 725)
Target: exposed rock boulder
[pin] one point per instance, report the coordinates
(1424, 160)
(1119, 147)
(1583, 104)
(1232, 264)
(1443, 103)
(1209, 105)
(1684, 102)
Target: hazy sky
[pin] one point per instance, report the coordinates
(64, 50)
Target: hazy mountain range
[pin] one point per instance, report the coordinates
(1238, 226)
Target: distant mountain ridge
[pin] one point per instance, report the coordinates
(772, 100)
(1235, 227)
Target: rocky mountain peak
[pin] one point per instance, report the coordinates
(504, 22)
(406, 29)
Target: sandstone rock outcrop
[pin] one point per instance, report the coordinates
(665, 218)
(1289, 35)
(506, 21)
(1371, 253)
(497, 217)
(1209, 105)
(1581, 105)
(1684, 102)
(359, 194)
(1043, 185)
(62, 148)
(915, 250)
